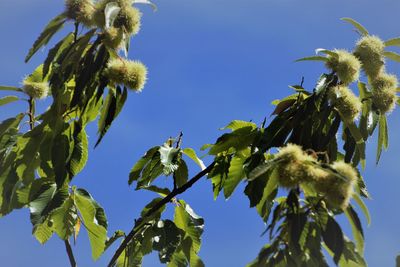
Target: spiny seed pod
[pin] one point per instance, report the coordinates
(293, 167)
(384, 81)
(369, 51)
(129, 18)
(346, 102)
(384, 100)
(99, 16)
(133, 74)
(37, 90)
(342, 190)
(337, 188)
(113, 38)
(346, 66)
(80, 10)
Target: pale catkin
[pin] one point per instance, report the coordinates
(132, 74)
(36, 90)
(369, 50)
(345, 65)
(346, 102)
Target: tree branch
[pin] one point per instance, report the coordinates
(141, 221)
(70, 253)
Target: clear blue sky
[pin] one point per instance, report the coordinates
(209, 61)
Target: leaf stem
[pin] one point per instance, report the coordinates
(70, 253)
(142, 221)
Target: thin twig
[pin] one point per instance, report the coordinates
(142, 221)
(31, 113)
(70, 253)
(76, 31)
(179, 142)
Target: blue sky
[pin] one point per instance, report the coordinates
(209, 62)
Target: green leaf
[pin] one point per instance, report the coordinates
(363, 207)
(283, 105)
(255, 190)
(219, 173)
(93, 221)
(156, 215)
(61, 152)
(8, 99)
(13, 122)
(64, 219)
(37, 75)
(269, 193)
(178, 259)
(132, 256)
(235, 173)
(43, 231)
(181, 174)
(312, 58)
(238, 139)
(55, 52)
(151, 171)
(237, 124)
(191, 223)
(135, 172)
(327, 52)
(383, 138)
(333, 237)
(79, 154)
(52, 27)
(167, 237)
(351, 256)
(393, 42)
(111, 108)
(261, 169)
(9, 184)
(10, 88)
(358, 138)
(192, 154)
(357, 25)
(161, 191)
(356, 228)
(48, 198)
(392, 55)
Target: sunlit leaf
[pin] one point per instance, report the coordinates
(357, 25)
(313, 58)
(392, 55)
(356, 228)
(393, 42)
(192, 154)
(10, 88)
(8, 99)
(93, 222)
(52, 27)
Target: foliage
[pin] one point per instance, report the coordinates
(298, 191)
